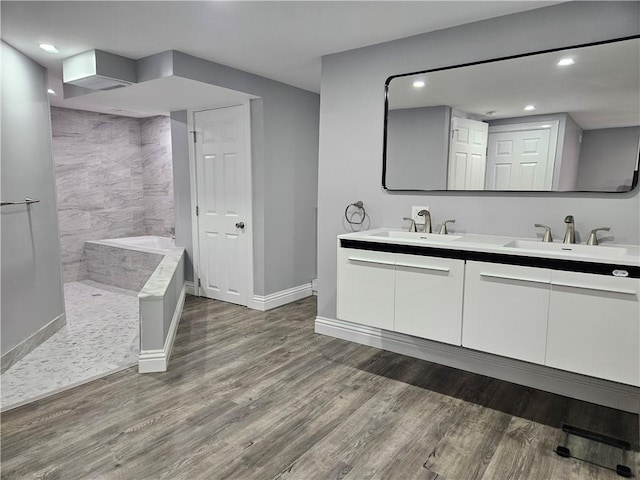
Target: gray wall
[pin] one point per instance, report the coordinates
(608, 158)
(182, 187)
(284, 167)
(351, 128)
(418, 148)
(568, 177)
(113, 177)
(31, 287)
(153, 336)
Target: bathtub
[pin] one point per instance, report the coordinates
(145, 243)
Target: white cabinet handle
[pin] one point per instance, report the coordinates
(423, 267)
(600, 289)
(368, 260)
(510, 277)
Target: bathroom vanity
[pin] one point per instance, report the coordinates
(569, 307)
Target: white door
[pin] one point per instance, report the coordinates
(467, 154)
(223, 195)
(520, 159)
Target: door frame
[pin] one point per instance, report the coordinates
(195, 234)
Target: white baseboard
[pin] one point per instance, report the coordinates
(595, 390)
(314, 286)
(191, 288)
(267, 302)
(22, 349)
(150, 361)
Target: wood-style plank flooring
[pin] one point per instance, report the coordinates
(259, 395)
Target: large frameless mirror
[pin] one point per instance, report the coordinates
(557, 121)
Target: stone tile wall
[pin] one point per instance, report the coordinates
(157, 176)
(101, 181)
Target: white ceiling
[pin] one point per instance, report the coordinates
(282, 40)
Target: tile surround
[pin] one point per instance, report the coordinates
(120, 267)
(157, 174)
(114, 179)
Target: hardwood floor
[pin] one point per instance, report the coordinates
(258, 395)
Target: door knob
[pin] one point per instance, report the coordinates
(240, 225)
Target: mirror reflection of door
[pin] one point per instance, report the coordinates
(521, 157)
(467, 154)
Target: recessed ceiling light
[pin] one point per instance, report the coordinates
(51, 91)
(49, 48)
(491, 113)
(566, 61)
(419, 83)
(528, 108)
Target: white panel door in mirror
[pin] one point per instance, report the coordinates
(467, 154)
(520, 158)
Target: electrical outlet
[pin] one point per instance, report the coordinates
(417, 218)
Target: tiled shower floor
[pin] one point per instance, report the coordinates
(101, 337)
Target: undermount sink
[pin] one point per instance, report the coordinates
(417, 236)
(597, 251)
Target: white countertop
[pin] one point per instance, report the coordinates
(529, 247)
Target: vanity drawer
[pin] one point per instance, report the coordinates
(594, 326)
(429, 297)
(505, 310)
(366, 286)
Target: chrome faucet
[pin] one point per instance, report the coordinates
(547, 232)
(427, 220)
(443, 227)
(570, 234)
(412, 225)
(593, 237)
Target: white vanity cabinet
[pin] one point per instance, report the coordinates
(412, 294)
(545, 307)
(428, 299)
(505, 310)
(594, 326)
(366, 286)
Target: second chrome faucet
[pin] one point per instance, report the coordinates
(427, 220)
(570, 234)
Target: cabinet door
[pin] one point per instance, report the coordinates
(594, 326)
(505, 310)
(366, 284)
(429, 297)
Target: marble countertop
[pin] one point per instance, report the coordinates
(160, 279)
